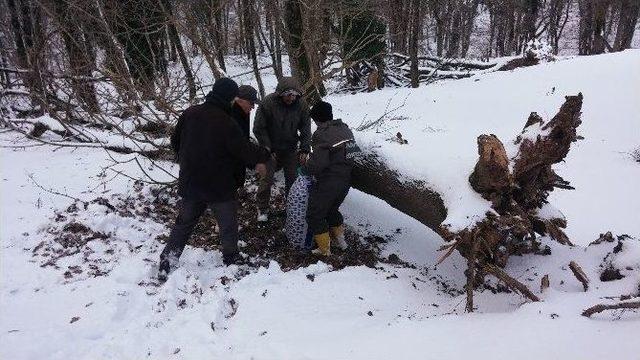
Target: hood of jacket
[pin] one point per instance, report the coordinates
(288, 83)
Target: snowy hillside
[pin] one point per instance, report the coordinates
(98, 299)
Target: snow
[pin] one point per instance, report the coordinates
(208, 310)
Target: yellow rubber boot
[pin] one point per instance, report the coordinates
(337, 236)
(324, 244)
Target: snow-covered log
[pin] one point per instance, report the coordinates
(372, 176)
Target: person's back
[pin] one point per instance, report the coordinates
(335, 138)
(211, 148)
(331, 163)
(200, 140)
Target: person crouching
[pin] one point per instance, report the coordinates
(330, 162)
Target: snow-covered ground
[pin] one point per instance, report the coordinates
(208, 310)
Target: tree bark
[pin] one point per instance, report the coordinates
(412, 197)
(28, 37)
(416, 22)
(80, 62)
(629, 12)
(303, 66)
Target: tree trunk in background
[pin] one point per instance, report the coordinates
(217, 7)
(138, 27)
(398, 14)
(301, 64)
(599, 25)
(414, 42)
(29, 37)
(557, 19)
(80, 62)
(593, 20)
(273, 23)
(439, 13)
(116, 65)
(468, 16)
(5, 79)
(454, 31)
(629, 12)
(248, 14)
(532, 8)
(177, 44)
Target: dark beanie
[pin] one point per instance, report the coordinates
(224, 89)
(321, 112)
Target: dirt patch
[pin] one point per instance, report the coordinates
(266, 242)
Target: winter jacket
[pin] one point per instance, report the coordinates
(279, 126)
(242, 118)
(333, 150)
(211, 152)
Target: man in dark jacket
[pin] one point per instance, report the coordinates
(210, 146)
(282, 125)
(243, 103)
(331, 162)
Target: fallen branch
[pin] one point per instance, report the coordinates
(579, 274)
(511, 283)
(602, 307)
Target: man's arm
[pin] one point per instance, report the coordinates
(175, 136)
(260, 128)
(305, 129)
(318, 160)
(243, 149)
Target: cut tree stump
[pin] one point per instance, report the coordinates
(544, 283)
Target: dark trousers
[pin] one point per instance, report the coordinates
(288, 162)
(226, 214)
(325, 198)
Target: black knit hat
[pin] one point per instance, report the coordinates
(224, 89)
(321, 112)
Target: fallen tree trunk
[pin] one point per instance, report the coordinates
(414, 198)
(517, 188)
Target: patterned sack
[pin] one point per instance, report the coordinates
(296, 227)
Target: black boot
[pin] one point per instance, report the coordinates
(230, 259)
(163, 270)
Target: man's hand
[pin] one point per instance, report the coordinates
(302, 158)
(261, 169)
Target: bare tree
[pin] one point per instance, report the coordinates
(301, 58)
(414, 40)
(629, 12)
(593, 20)
(177, 44)
(557, 18)
(250, 17)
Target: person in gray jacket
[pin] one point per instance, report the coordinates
(331, 162)
(282, 125)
